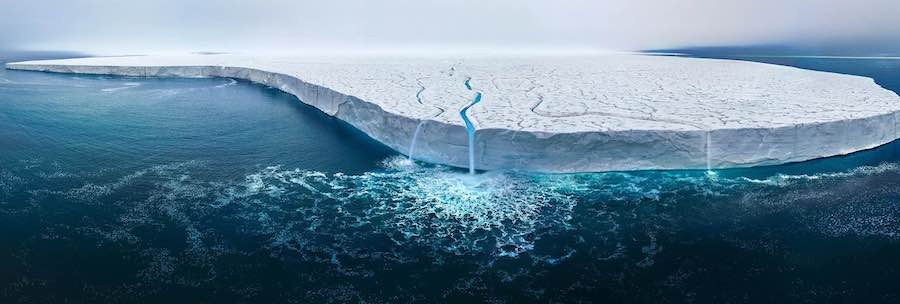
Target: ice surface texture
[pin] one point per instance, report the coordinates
(564, 113)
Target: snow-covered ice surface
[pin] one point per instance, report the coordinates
(564, 113)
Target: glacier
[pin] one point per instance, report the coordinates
(558, 113)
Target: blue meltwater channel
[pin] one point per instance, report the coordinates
(470, 128)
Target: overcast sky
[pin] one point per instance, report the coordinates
(146, 26)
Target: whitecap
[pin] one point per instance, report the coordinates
(787, 179)
(230, 82)
(126, 85)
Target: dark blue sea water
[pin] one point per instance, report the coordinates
(124, 190)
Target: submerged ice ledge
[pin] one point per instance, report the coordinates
(563, 113)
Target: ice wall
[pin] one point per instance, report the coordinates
(564, 114)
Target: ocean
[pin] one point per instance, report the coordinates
(213, 190)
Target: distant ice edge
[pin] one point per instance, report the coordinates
(551, 152)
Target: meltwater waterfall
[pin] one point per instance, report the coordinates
(470, 128)
(412, 145)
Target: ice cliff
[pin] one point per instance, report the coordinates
(563, 113)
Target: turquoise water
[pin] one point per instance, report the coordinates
(117, 189)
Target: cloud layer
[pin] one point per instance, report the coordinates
(142, 26)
